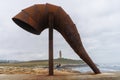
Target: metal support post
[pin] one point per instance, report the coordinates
(51, 70)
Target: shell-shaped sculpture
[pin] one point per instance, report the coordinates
(35, 19)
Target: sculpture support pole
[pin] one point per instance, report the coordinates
(51, 71)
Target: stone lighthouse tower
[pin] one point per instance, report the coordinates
(60, 54)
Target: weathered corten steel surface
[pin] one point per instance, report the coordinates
(35, 19)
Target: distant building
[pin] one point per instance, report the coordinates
(60, 54)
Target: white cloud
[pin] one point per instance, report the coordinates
(96, 21)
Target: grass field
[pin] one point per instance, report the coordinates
(43, 63)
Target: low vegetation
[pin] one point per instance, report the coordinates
(42, 63)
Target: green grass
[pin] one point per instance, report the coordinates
(43, 63)
(67, 61)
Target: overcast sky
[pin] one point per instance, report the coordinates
(98, 22)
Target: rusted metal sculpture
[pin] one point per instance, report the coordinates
(35, 19)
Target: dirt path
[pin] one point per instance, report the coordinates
(104, 76)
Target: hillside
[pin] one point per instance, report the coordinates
(43, 63)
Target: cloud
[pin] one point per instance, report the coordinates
(96, 21)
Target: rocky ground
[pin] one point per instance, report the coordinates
(35, 70)
(29, 73)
